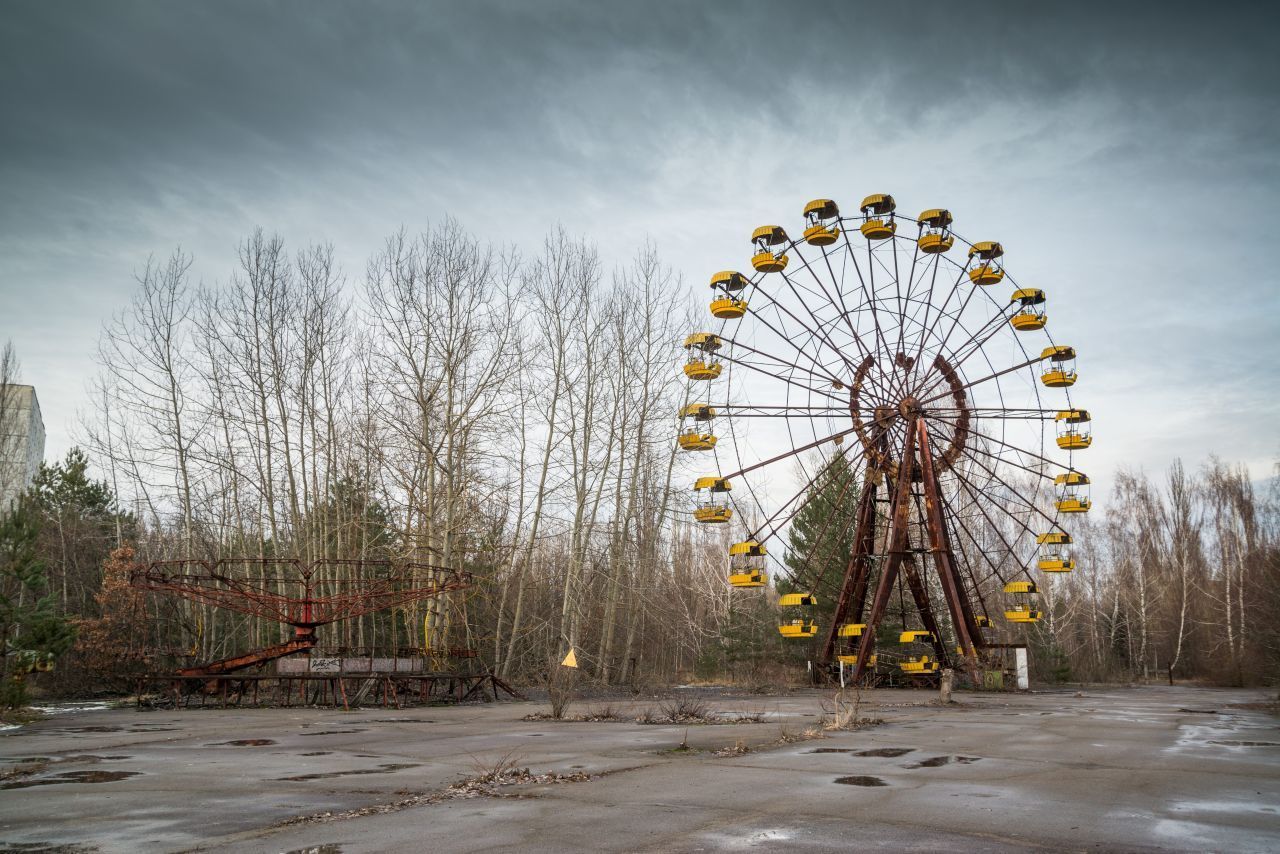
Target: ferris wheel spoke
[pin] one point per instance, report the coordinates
(852, 257)
(780, 377)
(1030, 505)
(781, 307)
(798, 411)
(987, 378)
(844, 311)
(1017, 448)
(994, 528)
(828, 377)
(803, 496)
(928, 328)
(789, 339)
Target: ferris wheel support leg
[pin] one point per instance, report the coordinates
(897, 543)
(930, 622)
(853, 590)
(966, 628)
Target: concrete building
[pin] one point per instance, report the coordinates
(21, 441)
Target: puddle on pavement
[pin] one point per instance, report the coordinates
(329, 848)
(74, 777)
(43, 848)
(1199, 711)
(332, 732)
(243, 742)
(399, 721)
(93, 729)
(939, 761)
(328, 775)
(886, 751)
(317, 753)
(1248, 743)
(861, 780)
(831, 750)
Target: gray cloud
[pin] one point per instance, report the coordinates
(1125, 156)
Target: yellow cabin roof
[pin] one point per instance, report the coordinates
(792, 599)
(1054, 538)
(1059, 354)
(935, 217)
(912, 637)
(697, 410)
(878, 203)
(822, 209)
(1072, 416)
(747, 547)
(1071, 478)
(986, 250)
(1020, 587)
(729, 280)
(770, 234)
(705, 340)
(715, 483)
(1028, 296)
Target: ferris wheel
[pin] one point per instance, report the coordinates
(900, 374)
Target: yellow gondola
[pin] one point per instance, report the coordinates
(851, 630)
(1030, 316)
(766, 260)
(701, 363)
(1053, 557)
(798, 629)
(918, 664)
(1061, 370)
(935, 231)
(982, 621)
(1073, 429)
(987, 270)
(710, 509)
(697, 436)
(747, 564)
(821, 230)
(1073, 493)
(1025, 598)
(728, 305)
(853, 659)
(877, 216)
(791, 600)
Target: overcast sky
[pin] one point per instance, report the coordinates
(1128, 160)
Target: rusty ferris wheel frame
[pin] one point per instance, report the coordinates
(895, 334)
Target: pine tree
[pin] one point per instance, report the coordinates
(821, 536)
(32, 634)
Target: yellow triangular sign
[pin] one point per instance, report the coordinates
(570, 660)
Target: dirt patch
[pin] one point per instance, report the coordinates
(861, 780)
(74, 777)
(481, 786)
(831, 750)
(332, 732)
(317, 753)
(243, 742)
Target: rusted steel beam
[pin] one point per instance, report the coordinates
(967, 633)
(896, 544)
(853, 589)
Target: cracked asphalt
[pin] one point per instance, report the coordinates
(1131, 769)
